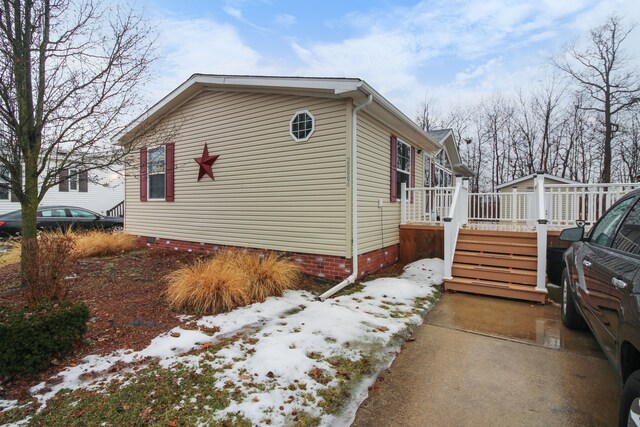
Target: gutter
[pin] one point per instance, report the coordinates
(354, 202)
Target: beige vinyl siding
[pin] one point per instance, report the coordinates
(377, 227)
(269, 191)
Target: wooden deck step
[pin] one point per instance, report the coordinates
(492, 236)
(494, 274)
(505, 290)
(498, 247)
(496, 260)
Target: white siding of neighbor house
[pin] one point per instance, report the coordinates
(105, 190)
(269, 191)
(378, 227)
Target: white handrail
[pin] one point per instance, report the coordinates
(541, 230)
(458, 216)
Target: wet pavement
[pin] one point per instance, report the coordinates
(489, 361)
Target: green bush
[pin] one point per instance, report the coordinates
(30, 338)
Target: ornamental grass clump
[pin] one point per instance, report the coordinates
(101, 242)
(271, 276)
(232, 279)
(208, 287)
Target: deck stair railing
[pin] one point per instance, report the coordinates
(541, 230)
(457, 217)
(117, 210)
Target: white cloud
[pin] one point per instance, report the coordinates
(284, 20)
(200, 46)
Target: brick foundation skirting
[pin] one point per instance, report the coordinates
(327, 267)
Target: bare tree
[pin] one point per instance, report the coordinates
(427, 117)
(69, 73)
(601, 69)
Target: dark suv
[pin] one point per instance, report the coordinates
(601, 290)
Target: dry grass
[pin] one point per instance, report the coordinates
(206, 287)
(12, 256)
(232, 279)
(99, 243)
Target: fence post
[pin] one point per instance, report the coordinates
(514, 204)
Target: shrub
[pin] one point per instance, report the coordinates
(98, 243)
(55, 259)
(233, 278)
(30, 338)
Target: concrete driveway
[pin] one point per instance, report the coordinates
(481, 361)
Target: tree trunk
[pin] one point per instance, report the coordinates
(28, 266)
(608, 136)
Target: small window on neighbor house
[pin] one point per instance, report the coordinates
(302, 126)
(156, 173)
(73, 180)
(403, 165)
(4, 191)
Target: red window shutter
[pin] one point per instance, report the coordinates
(170, 175)
(143, 174)
(413, 169)
(394, 176)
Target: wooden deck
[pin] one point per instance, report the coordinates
(495, 259)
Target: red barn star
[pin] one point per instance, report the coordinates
(205, 162)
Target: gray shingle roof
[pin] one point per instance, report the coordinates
(439, 134)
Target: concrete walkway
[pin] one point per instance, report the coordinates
(480, 361)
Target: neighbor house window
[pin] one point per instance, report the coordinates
(403, 166)
(4, 191)
(156, 173)
(73, 180)
(302, 126)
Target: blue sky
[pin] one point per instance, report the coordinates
(449, 50)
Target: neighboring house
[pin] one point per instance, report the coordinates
(441, 167)
(308, 166)
(519, 192)
(98, 190)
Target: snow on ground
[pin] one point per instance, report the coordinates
(280, 351)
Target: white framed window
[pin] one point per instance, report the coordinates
(302, 125)
(403, 165)
(156, 170)
(73, 180)
(4, 191)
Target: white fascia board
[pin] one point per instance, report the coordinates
(526, 177)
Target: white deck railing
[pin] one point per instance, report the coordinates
(564, 204)
(548, 204)
(426, 204)
(513, 206)
(568, 203)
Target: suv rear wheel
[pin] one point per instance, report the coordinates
(570, 315)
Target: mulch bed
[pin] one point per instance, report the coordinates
(125, 295)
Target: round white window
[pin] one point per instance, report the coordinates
(302, 125)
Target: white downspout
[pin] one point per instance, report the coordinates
(354, 202)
